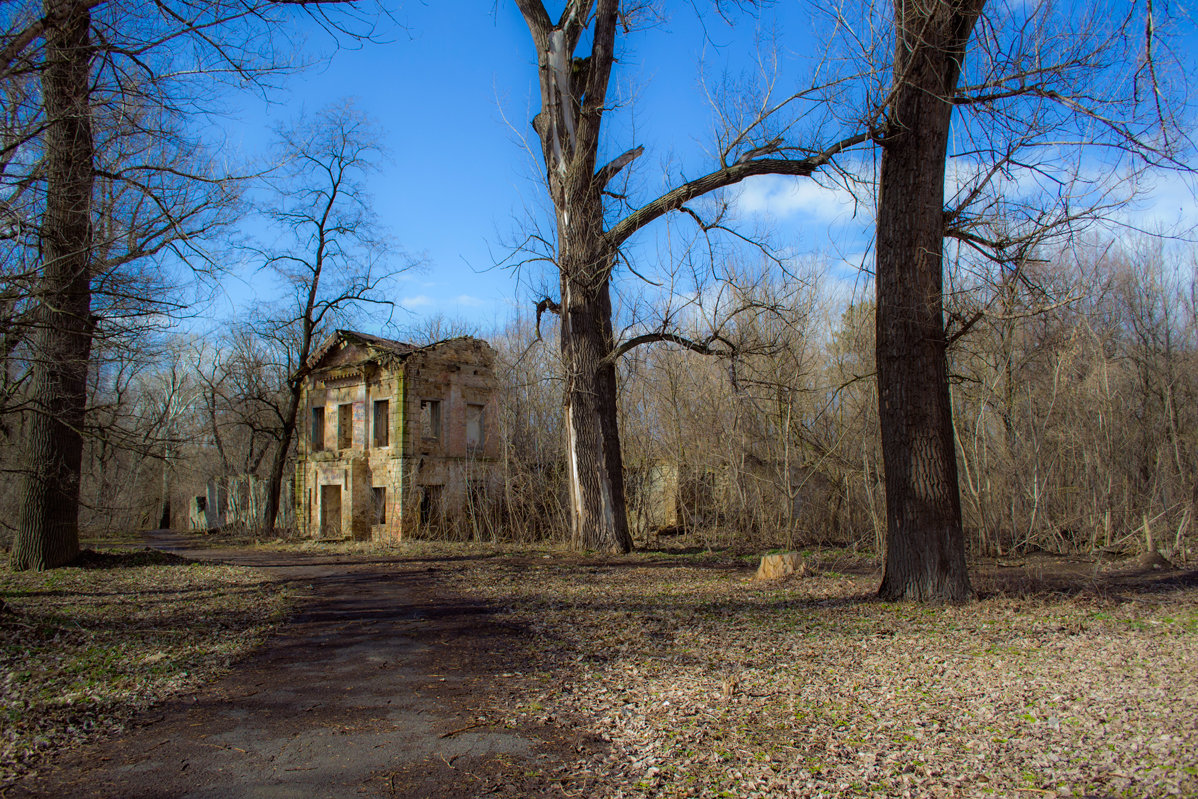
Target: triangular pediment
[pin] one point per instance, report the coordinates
(350, 348)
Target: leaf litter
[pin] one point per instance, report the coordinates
(679, 677)
(84, 648)
(695, 680)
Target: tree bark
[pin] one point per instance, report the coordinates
(274, 485)
(925, 543)
(51, 454)
(595, 462)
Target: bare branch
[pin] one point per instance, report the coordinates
(721, 178)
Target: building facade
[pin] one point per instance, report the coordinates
(396, 438)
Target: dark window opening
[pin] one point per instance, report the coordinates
(430, 505)
(380, 504)
(317, 428)
(382, 423)
(345, 426)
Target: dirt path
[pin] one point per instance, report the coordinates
(373, 688)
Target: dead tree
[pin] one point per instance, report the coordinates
(336, 260)
(574, 93)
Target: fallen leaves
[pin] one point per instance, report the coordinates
(705, 684)
(87, 647)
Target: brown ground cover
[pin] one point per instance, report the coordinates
(1067, 678)
(672, 673)
(84, 648)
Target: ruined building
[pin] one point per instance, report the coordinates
(397, 437)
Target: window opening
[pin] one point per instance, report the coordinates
(430, 505)
(380, 504)
(474, 426)
(345, 426)
(317, 428)
(382, 423)
(430, 418)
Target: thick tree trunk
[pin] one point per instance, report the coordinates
(925, 543)
(52, 452)
(595, 465)
(568, 125)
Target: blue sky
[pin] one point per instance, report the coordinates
(454, 90)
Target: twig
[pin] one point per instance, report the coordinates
(452, 733)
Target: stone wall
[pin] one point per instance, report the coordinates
(362, 477)
(239, 500)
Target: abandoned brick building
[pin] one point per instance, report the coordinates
(397, 437)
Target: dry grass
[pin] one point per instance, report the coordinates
(86, 647)
(690, 679)
(704, 683)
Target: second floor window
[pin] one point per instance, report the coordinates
(345, 426)
(430, 418)
(382, 423)
(318, 428)
(474, 427)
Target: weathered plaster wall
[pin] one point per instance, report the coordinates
(426, 478)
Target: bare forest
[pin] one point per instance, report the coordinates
(733, 392)
(837, 435)
(1074, 412)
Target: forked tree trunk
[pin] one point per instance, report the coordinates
(573, 102)
(925, 543)
(51, 454)
(572, 107)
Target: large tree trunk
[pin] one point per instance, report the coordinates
(595, 465)
(925, 543)
(568, 125)
(52, 452)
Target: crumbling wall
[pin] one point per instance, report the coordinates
(449, 473)
(439, 443)
(238, 500)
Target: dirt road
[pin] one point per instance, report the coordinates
(375, 687)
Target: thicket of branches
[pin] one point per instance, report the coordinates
(1074, 409)
(754, 415)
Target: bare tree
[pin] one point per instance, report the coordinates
(1050, 86)
(925, 553)
(332, 257)
(47, 534)
(242, 396)
(575, 98)
(94, 59)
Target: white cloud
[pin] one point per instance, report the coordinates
(1171, 206)
(418, 301)
(469, 301)
(780, 197)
